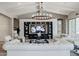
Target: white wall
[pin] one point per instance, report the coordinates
(54, 27)
(5, 26)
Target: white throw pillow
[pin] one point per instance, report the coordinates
(8, 38)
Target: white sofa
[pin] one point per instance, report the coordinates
(72, 38)
(26, 49)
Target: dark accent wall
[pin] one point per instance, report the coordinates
(47, 35)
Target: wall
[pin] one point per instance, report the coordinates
(21, 25)
(54, 27)
(55, 16)
(5, 26)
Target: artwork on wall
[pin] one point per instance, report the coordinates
(37, 27)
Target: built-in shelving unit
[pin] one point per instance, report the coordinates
(47, 26)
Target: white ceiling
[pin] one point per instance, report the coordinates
(19, 8)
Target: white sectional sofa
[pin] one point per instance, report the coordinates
(60, 48)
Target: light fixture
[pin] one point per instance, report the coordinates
(41, 14)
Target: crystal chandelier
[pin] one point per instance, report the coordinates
(41, 14)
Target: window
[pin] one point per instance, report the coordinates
(72, 26)
(77, 25)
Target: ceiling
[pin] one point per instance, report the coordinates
(18, 8)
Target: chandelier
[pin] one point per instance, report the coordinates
(40, 13)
